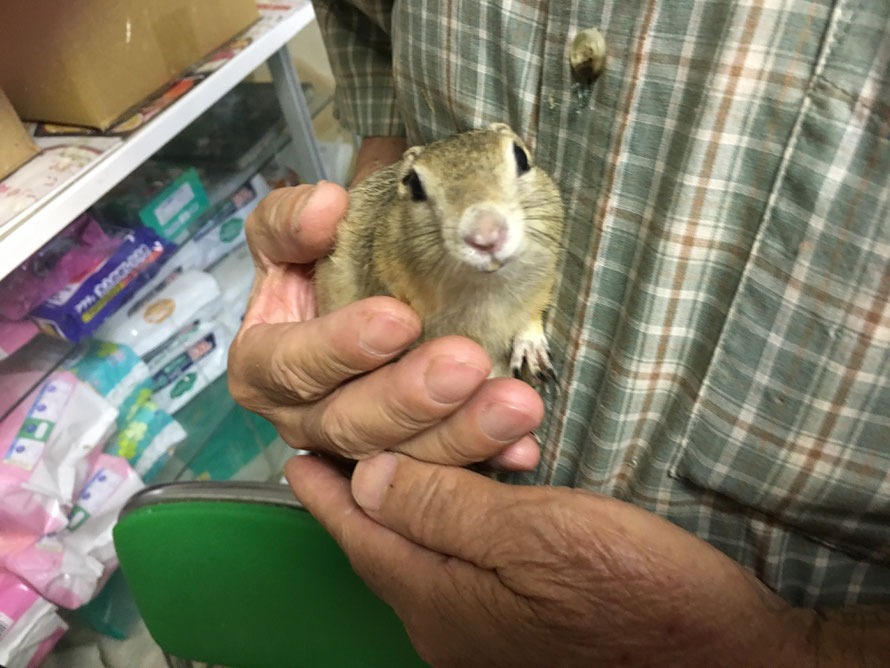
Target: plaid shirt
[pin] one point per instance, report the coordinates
(720, 323)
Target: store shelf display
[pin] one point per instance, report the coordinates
(76, 168)
(150, 353)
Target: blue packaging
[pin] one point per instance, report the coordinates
(79, 308)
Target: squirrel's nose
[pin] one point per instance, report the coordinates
(487, 233)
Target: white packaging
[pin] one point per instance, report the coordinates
(29, 625)
(192, 295)
(225, 231)
(159, 450)
(188, 363)
(112, 369)
(50, 442)
(69, 566)
(234, 275)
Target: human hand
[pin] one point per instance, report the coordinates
(483, 573)
(327, 384)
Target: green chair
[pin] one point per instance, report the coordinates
(240, 575)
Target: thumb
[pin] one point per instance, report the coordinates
(445, 509)
(295, 225)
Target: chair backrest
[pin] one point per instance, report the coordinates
(238, 574)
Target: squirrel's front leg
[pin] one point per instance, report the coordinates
(531, 357)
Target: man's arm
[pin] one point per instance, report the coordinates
(377, 152)
(484, 573)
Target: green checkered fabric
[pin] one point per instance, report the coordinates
(721, 323)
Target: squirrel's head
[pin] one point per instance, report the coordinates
(481, 194)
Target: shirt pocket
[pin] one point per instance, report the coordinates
(793, 417)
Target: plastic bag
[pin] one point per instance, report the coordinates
(50, 441)
(29, 625)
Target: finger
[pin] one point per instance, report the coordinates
(446, 509)
(500, 413)
(376, 553)
(271, 365)
(394, 403)
(295, 225)
(523, 455)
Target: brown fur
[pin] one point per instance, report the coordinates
(390, 245)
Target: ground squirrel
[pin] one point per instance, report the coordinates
(467, 232)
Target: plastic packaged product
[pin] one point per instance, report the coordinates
(224, 231)
(112, 369)
(82, 305)
(73, 254)
(149, 435)
(234, 275)
(15, 334)
(68, 567)
(167, 198)
(29, 625)
(50, 440)
(187, 364)
(146, 435)
(146, 325)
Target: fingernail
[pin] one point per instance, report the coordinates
(386, 334)
(449, 380)
(503, 422)
(371, 479)
(523, 455)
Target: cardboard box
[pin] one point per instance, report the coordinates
(89, 62)
(16, 146)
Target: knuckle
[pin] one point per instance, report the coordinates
(405, 416)
(300, 378)
(439, 490)
(241, 390)
(457, 450)
(339, 432)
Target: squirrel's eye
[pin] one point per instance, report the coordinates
(522, 165)
(412, 180)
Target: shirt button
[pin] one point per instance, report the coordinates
(588, 55)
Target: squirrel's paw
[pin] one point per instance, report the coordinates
(531, 359)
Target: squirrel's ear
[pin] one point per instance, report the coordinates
(409, 156)
(502, 128)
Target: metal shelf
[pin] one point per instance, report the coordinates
(28, 230)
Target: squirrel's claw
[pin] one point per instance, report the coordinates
(531, 359)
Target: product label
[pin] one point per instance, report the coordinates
(94, 495)
(179, 365)
(184, 384)
(159, 311)
(230, 230)
(27, 448)
(135, 261)
(171, 212)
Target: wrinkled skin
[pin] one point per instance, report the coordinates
(487, 574)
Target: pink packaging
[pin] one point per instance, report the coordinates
(70, 566)
(29, 625)
(70, 256)
(13, 335)
(50, 441)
